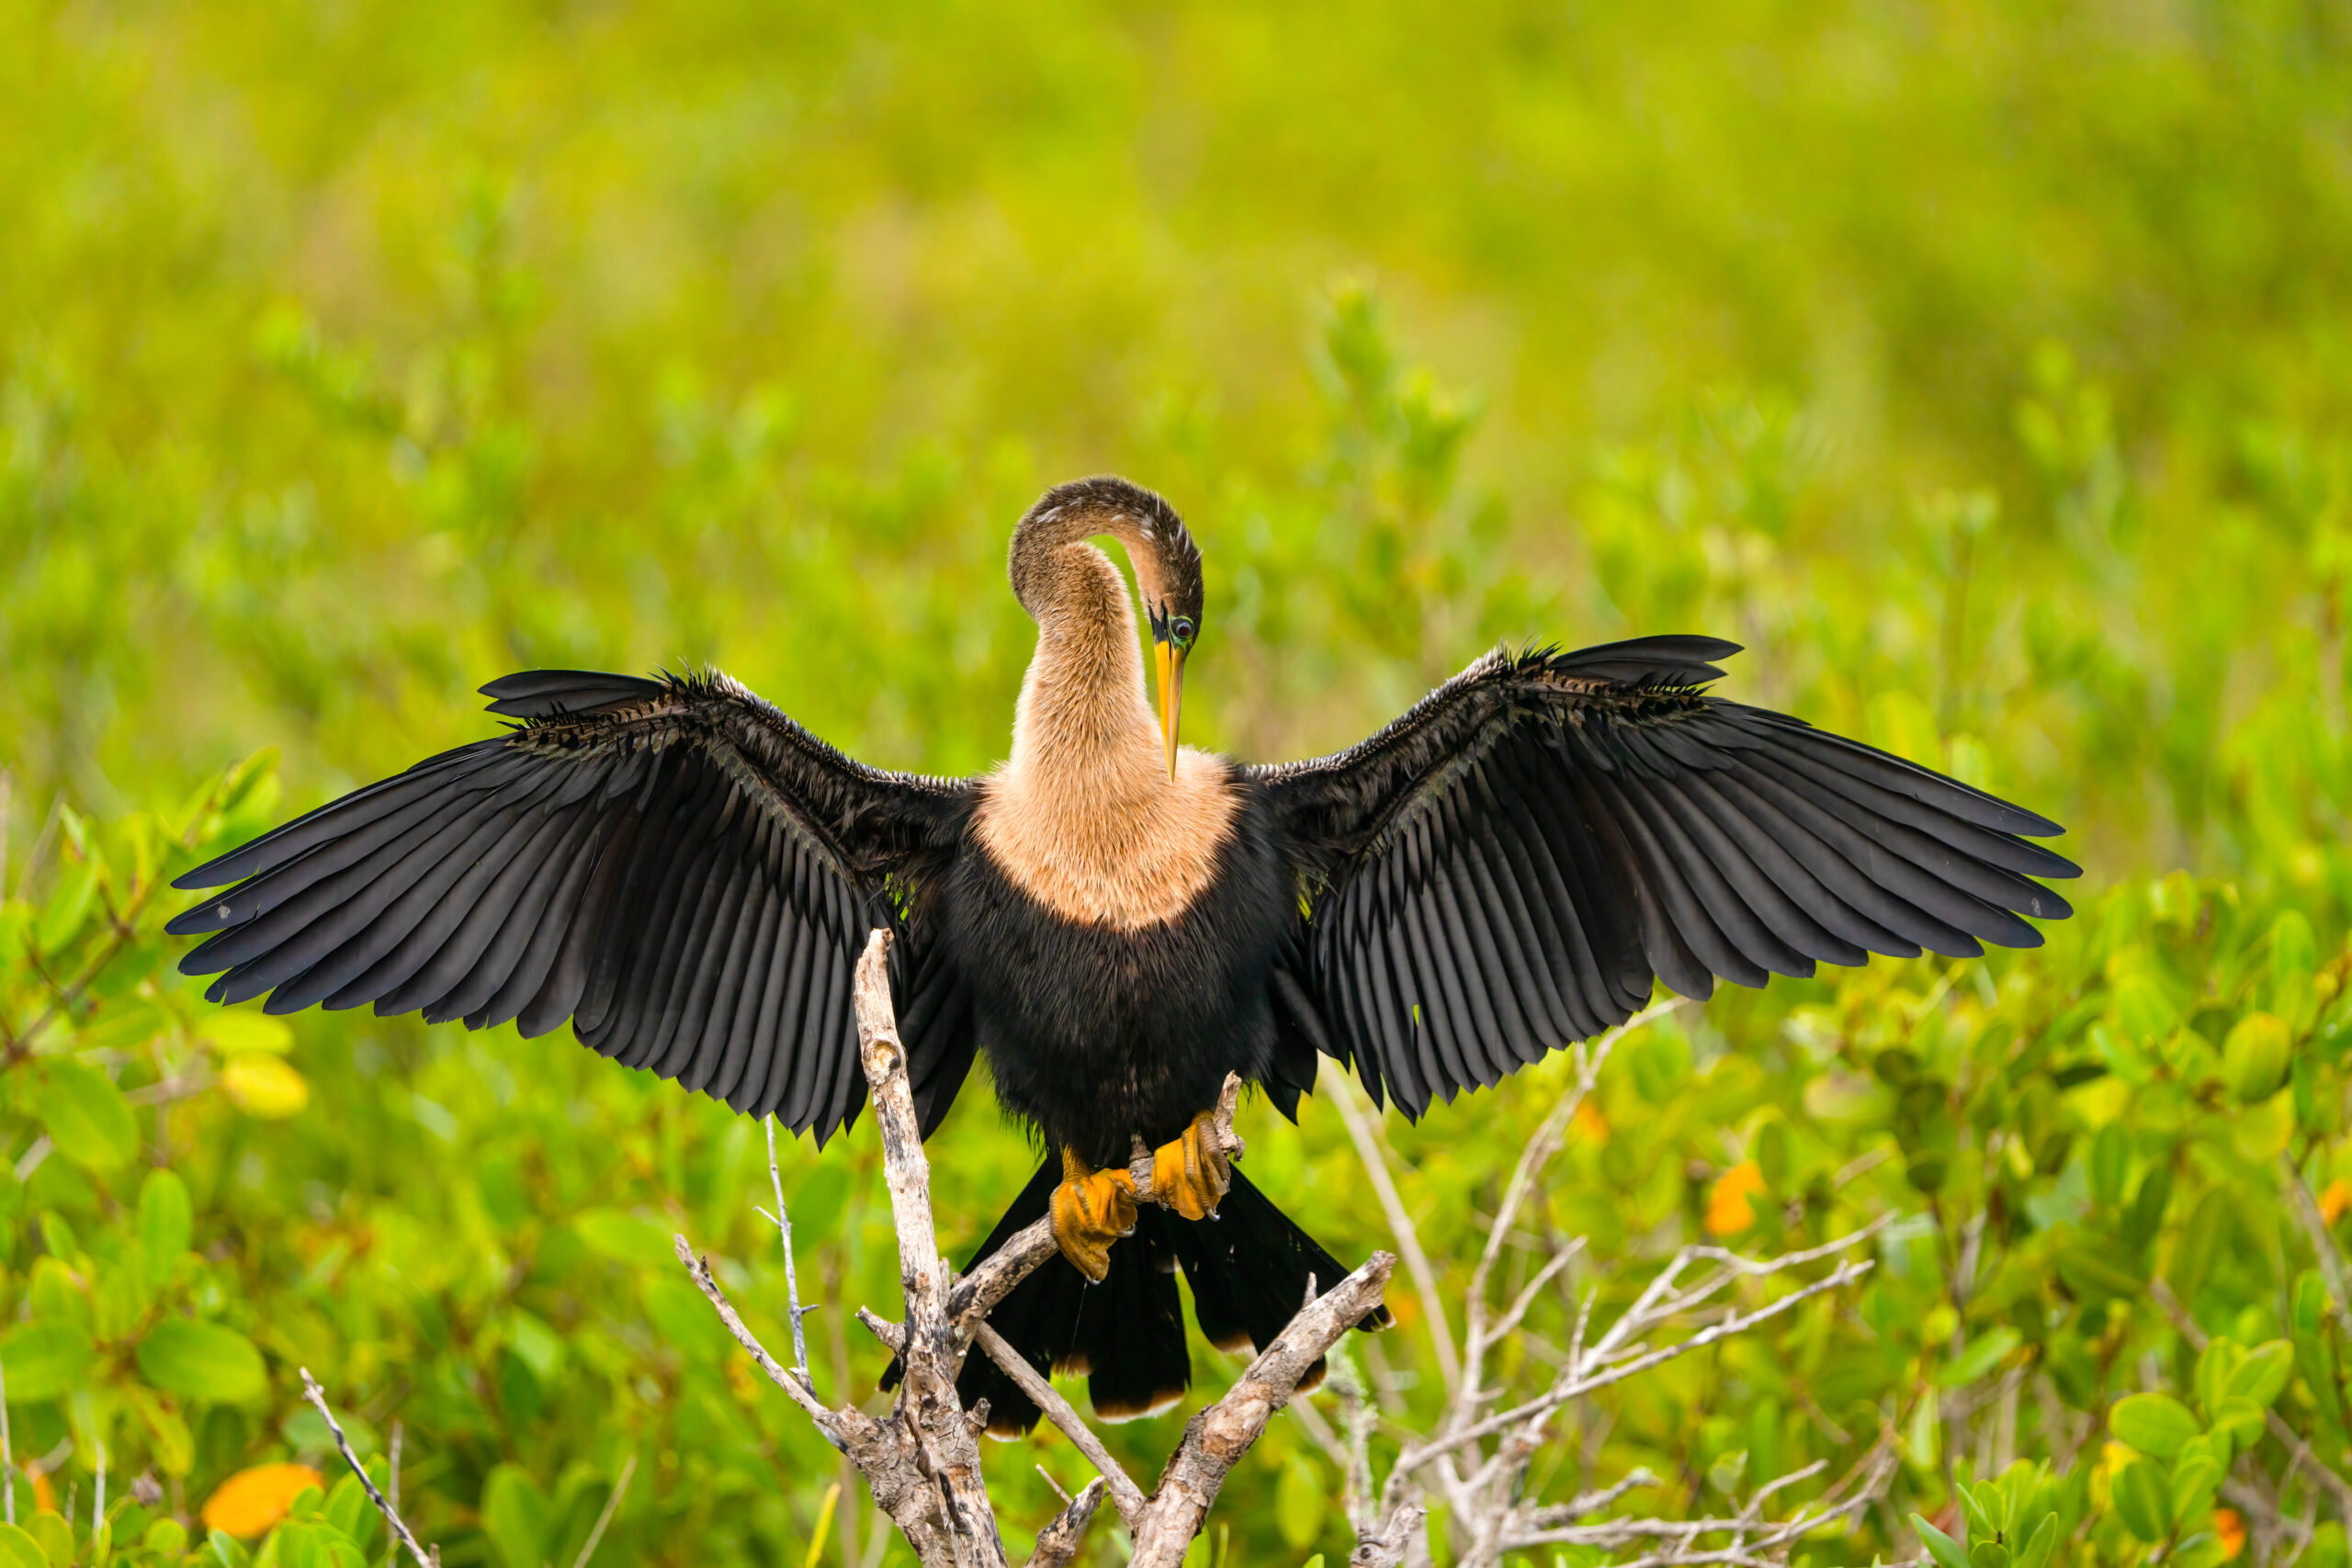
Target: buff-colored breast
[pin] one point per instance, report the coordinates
(1121, 845)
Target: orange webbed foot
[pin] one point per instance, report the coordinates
(1191, 1174)
(1092, 1209)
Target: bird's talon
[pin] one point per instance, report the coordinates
(1191, 1174)
(1092, 1209)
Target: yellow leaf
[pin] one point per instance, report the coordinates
(232, 1032)
(252, 1500)
(1728, 1209)
(264, 1086)
(2228, 1531)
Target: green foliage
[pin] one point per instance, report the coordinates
(1979, 368)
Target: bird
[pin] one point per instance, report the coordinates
(1113, 922)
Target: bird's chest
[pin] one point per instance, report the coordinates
(1113, 844)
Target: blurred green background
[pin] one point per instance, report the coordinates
(1984, 367)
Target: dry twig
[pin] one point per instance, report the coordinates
(392, 1520)
(1125, 1495)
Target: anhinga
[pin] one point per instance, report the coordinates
(1112, 920)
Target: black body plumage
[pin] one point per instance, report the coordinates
(688, 875)
(1093, 1033)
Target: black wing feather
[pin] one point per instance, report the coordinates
(671, 862)
(1507, 868)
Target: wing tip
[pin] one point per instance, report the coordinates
(197, 919)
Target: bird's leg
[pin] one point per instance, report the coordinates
(1190, 1175)
(1092, 1209)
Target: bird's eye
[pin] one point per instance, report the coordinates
(1182, 629)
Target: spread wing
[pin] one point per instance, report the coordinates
(1503, 870)
(672, 864)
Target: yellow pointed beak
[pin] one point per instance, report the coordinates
(1169, 668)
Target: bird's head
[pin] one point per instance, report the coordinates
(1167, 566)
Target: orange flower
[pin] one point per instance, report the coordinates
(2229, 1528)
(44, 1492)
(1589, 1124)
(252, 1500)
(2336, 1200)
(1728, 1210)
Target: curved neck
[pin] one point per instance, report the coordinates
(1083, 707)
(1051, 557)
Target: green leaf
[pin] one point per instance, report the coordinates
(1300, 1499)
(2199, 1241)
(2092, 1271)
(2310, 1301)
(2156, 1424)
(119, 1301)
(2140, 1500)
(68, 906)
(2214, 1364)
(169, 1442)
(2261, 1131)
(19, 1550)
(1988, 1554)
(165, 1223)
(515, 1515)
(54, 1536)
(1985, 1352)
(2110, 1163)
(226, 1551)
(2262, 1376)
(2255, 1056)
(2294, 954)
(299, 1545)
(202, 1360)
(2043, 1542)
(349, 1511)
(2146, 1215)
(44, 1359)
(2315, 1348)
(1942, 1547)
(85, 1116)
(2142, 1011)
(2194, 1480)
(1979, 1509)
(2241, 1420)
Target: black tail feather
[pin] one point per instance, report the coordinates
(1249, 1269)
(1129, 1338)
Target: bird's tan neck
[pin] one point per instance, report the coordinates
(1083, 817)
